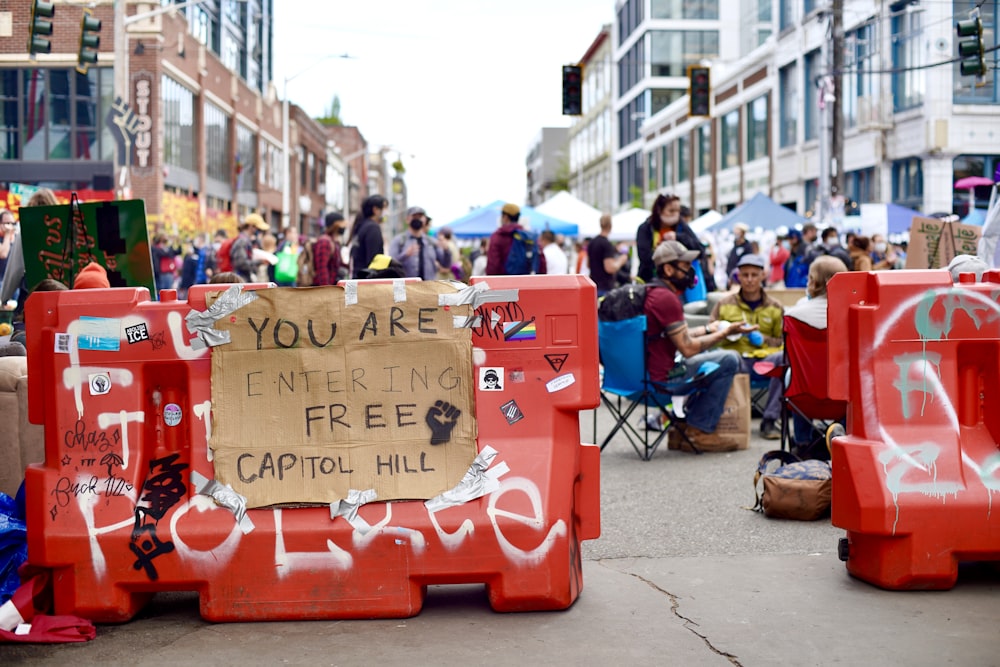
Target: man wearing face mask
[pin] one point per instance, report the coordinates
(418, 255)
(327, 258)
(668, 334)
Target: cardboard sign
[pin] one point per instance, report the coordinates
(933, 243)
(111, 233)
(314, 397)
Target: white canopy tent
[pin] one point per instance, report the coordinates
(625, 224)
(565, 206)
(704, 221)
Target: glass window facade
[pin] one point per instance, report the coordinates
(789, 83)
(810, 97)
(217, 144)
(246, 158)
(908, 183)
(705, 149)
(729, 154)
(683, 159)
(684, 9)
(757, 128)
(671, 51)
(907, 53)
(179, 148)
(859, 84)
(55, 114)
(667, 168)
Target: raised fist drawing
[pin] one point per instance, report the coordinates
(442, 419)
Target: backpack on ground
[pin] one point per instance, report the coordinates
(622, 303)
(524, 253)
(795, 489)
(223, 258)
(307, 272)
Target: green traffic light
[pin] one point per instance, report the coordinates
(39, 26)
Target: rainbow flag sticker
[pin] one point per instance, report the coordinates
(523, 330)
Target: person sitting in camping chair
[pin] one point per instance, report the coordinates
(667, 334)
(812, 310)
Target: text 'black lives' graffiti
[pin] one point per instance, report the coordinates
(163, 488)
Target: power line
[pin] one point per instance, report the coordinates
(900, 70)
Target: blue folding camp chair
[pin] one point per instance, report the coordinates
(626, 386)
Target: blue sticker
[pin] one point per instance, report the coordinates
(99, 333)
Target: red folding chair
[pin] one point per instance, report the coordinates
(806, 371)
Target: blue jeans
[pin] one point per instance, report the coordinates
(706, 403)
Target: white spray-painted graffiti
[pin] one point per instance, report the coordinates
(913, 468)
(333, 556)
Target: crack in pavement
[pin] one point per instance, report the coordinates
(688, 623)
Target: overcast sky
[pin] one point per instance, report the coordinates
(459, 87)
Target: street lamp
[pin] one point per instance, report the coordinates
(286, 194)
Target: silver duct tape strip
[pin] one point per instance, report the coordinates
(466, 321)
(200, 322)
(348, 508)
(478, 481)
(224, 496)
(494, 320)
(350, 292)
(399, 290)
(476, 295)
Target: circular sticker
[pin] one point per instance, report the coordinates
(172, 414)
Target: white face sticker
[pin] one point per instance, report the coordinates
(560, 383)
(100, 383)
(172, 414)
(491, 378)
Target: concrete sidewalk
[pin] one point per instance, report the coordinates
(682, 575)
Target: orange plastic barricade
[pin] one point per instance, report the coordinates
(115, 511)
(916, 477)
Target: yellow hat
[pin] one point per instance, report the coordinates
(257, 221)
(380, 262)
(511, 209)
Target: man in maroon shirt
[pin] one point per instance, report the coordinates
(326, 250)
(667, 333)
(502, 239)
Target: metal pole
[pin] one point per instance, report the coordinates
(286, 194)
(824, 135)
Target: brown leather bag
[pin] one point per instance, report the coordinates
(796, 489)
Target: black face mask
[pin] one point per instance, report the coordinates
(686, 279)
(416, 225)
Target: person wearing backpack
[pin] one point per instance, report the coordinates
(366, 234)
(667, 333)
(326, 255)
(512, 238)
(241, 250)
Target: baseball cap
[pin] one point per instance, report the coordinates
(751, 260)
(511, 209)
(257, 221)
(673, 251)
(415, 210)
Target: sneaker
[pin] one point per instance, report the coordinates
(653, 423)
(769, 430)
(836, 430)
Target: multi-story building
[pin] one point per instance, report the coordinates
(912, 124)
(590, 143)
(655, 41)
(203, 142)
(547, 163)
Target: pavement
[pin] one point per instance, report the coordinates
(682, 574)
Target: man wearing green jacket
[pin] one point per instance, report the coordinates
(751, 304)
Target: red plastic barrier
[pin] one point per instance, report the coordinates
(107, 448)
(916, 478)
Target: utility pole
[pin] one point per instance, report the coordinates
(822, 83)
(838, 92)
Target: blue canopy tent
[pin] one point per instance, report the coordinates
(899, 218)
(760, 211)
(483, 221)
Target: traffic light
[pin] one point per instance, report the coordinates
(90, 41)
(40, 11)
(971, 50)
(700, 92)
(572, 79)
